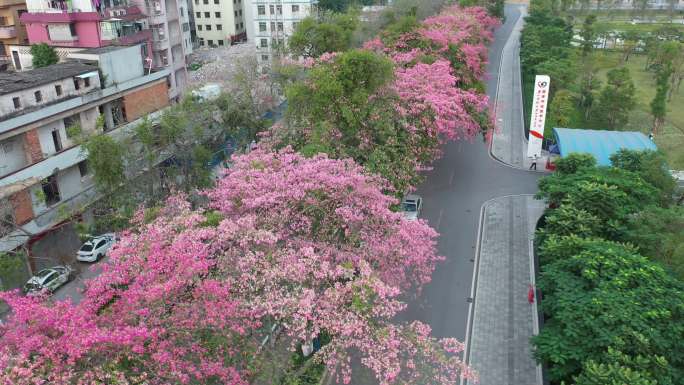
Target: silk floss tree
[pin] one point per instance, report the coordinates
(306, 243)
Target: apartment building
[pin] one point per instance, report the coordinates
(44, 174)
(219, 23)
(162, 26)
(271, 22)
(11, 30)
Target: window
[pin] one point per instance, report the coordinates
(235, 13)
(273, 26)
(38, 96)
(57, 140)
(207, 28)
(83, 168)
(240, 12)
(199, 27)
(76, 84)
(69, 122)
(58, 90)
(264, 57)
(219, 27)
(279, 9)
(217, 15)
(210, 42)
(17, 102)
(182, 12)
(295, 24)
(280, 26)
(201, 41)
(242, 26)
(207, 14)
(50, 189)
(220, 42)
(86, 82)
(205, 2)
(196, 2)
(295, 8)
(261, 9)
(198, 15)
(72, 29)
(216, 1)
(7, 146)
(270, 9)
(264, 43)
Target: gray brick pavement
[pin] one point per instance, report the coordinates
(503, 320)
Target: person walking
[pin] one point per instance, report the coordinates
(534, 162)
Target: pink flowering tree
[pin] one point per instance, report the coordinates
(307, 245)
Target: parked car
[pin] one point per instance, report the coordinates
(96, 248)
(48, 279)
(411, 206)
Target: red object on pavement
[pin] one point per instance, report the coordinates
(530, 294)
(550, 165)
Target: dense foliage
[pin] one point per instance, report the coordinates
(307, 244)
(43, 55)
(391, 105)
(612, 316)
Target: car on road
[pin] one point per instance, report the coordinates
(96, 248)
(411, 206)
(48, 279)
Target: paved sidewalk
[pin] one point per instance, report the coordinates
(503, 319)
(509, 144)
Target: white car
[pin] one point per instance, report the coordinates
(96, 248)
(411, 206)
(48, 279)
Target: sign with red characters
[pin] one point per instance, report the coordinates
(541, 98)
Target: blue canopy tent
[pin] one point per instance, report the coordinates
(599, 143)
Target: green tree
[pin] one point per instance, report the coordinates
(601, 296)
(333, 33)
(43, 55)
(561, 109)
(617, 98)
(588, 34)
(659, 234)
(106, 159)
(651, 166)
(621, 369)
(659, 102)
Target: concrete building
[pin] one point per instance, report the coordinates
(163, 26)
(11, 30)
(44, 175)
(219, 23)
(271, 22)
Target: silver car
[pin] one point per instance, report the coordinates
(48, 279)
(411, 206)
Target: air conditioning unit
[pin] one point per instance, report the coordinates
(157, 6)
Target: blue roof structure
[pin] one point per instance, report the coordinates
(599, 143)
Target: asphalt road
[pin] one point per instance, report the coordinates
(461, 181)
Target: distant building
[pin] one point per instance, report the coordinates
(271, 22)
(44, 173)
(162, 26)
(11, 30)
(219, 23)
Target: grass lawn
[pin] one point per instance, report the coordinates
(671, 137)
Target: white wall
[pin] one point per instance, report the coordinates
(48, 94)
(83, 5)
(12, 156)
(70, 182)
(45, 137)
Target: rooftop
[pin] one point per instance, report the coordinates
(101, 50)
(17, 81)
(600, 143)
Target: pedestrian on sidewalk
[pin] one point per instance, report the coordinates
(534, 162)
